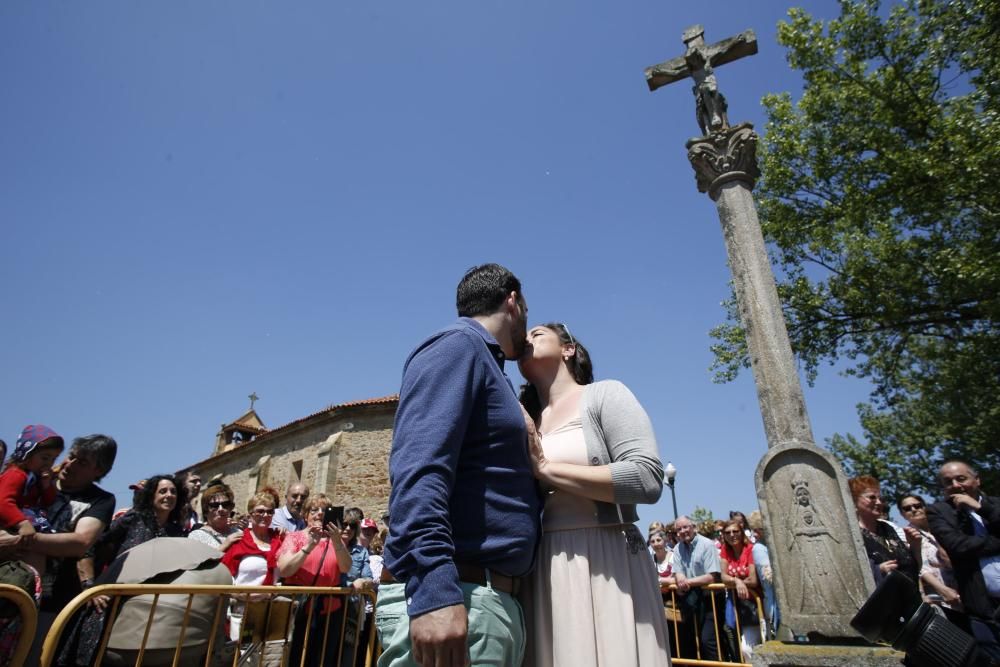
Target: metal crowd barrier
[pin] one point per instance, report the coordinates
(27, 618)
(673, 611)
(265, 634)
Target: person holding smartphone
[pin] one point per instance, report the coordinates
(315, 556)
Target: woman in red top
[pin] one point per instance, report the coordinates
(253, 559)
(314, 556)
(736, 555)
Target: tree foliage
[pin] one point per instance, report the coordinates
(700, 515)
(880, 201)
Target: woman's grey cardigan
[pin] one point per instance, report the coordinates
(618, 433)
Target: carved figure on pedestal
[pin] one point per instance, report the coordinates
(810, 542)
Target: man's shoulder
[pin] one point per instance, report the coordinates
(456, 333)
(454, 342)
(940, 508)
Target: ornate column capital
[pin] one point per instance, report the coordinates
(725, 155)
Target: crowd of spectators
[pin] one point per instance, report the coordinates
(62, 529)
(690, 556)
(949, 549)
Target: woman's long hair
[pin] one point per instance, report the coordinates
(144, 502)
(579, 366)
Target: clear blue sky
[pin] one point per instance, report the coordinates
(203, 199)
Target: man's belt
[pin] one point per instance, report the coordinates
(473, 574)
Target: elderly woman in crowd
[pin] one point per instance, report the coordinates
(736, 560)
(936, 577)
(662, 555)
(219, 530)
(886, 551)
(253, 558)
(314, 556)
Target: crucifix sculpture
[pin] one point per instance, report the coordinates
(725, 165)
(699, 62)
(253, 399)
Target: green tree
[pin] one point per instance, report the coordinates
(880, 200)
(700, 515)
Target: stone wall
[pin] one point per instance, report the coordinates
(342, 452)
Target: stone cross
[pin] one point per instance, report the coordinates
(253, 399)
(699, 63)
(821, 569)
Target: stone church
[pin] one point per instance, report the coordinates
(342, 451)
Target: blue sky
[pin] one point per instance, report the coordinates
(203, 199)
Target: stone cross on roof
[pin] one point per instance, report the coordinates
(698, 63)
(253, 399)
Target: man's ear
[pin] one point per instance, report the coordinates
(512, 302)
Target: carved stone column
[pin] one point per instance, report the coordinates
(820, 566)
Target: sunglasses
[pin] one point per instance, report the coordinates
(911, 508)
(732, 532)
(223, 505)
(263, 512)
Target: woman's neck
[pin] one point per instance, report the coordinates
(868, 523)
(562, 385)
(737, 549)
(162, 516)
(262, 534)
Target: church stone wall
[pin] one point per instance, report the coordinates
(344, 454)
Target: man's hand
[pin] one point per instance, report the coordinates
(439, 637)
(960, 500)
(682, 584)
(27, 533)
(887, 566)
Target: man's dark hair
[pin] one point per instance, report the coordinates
(102, 448)
(483, 289)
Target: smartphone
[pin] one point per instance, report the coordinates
(334, 515)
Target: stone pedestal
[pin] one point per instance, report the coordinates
(778, 654)
(821, 572)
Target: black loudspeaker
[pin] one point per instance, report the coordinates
(896, 614)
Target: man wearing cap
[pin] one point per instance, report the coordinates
(136, 489)
(464, 503)
(289, 518)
